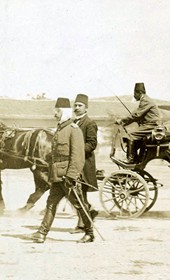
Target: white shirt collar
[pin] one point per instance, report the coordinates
(80, 117)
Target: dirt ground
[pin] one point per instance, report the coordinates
(132, 249)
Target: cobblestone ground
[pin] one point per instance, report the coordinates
(132, 249)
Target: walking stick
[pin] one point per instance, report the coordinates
(85, 211)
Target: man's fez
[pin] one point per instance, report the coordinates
(62, 103)
(140, 87)
(82, 98)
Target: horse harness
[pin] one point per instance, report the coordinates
(29, 144)
(6, 134)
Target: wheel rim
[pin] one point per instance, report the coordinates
(124, 194)
(153, 189)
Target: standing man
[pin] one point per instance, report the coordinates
(146, 115)
(89, 129)
(66, 166)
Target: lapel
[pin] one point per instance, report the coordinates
(82, 120)
(62, 125)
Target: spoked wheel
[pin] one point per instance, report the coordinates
(124, 194)
(153, 189)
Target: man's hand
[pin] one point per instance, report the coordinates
(49, 157)
(118, 121)
(69, 182)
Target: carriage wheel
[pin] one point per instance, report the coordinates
(126, 192)
(153, 189)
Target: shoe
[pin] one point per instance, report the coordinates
(129, 161)
(94, 214)
(38, 237)
(77, 230)
(100, 174)
(86, 238)
(26, 208)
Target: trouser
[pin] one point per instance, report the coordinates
(88, 205)
(57, 192)
(142, 131)
(84, 195)
(135, 138)
(131, 150)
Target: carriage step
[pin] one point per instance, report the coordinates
(123, 164)
(158, 185)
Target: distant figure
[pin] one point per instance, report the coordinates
(2, 125)
(89, 129)
(146, 115)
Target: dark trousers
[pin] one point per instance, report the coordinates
(84, 193)
(58, 191)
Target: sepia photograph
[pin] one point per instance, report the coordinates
(84, 139)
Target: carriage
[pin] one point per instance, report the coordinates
(126, 193)
(131, 191)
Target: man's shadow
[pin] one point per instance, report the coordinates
(28, 237)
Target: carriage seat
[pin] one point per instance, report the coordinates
(159, 134)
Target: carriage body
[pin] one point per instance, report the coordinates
(132, 190)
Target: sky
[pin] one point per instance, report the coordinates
(97, 47)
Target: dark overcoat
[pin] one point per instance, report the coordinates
(89, 129)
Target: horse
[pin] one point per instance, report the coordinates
(26, 148)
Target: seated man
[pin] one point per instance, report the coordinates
(146, 115)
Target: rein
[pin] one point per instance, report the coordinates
(113, 146)
(27, 143)
(26, 158)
